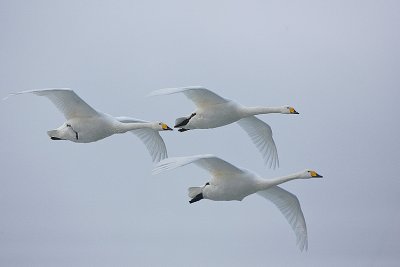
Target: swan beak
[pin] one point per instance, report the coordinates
(166, 127)
(314, 174)
(55, 138)
(293, 111)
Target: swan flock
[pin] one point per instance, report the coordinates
(84, 124)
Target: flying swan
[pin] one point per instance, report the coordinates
(229, 182)
(215, 111)
(85, 124)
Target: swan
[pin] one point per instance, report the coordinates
(85, 124)
(215, 111)
(229, 182)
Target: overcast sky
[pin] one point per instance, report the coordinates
(68, 204)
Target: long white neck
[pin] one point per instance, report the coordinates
(250, 111)
(267, 183)
(125, 127)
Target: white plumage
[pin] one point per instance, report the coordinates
(85, 124)
(229, 182)
(215, 111)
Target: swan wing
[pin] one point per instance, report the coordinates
(151, 138)
(66, 100)
(214, 165)
(200, 96)
(289, 205)
(261, 135)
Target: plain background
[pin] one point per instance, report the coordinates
(67, 204)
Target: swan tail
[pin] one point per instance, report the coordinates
(181, 121)
(194, 191)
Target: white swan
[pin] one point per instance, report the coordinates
(85, 124)
(215, 111)
(231, 183)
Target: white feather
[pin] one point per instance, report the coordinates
(260, 134)
(290, 207)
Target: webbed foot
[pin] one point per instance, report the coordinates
(196, 198)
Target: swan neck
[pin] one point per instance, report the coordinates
(267, 183)
(262, 110)
(122, 127)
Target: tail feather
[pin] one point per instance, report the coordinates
(180, 121)
(194, 191)
(52, 133)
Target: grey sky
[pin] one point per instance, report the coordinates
(67, 204)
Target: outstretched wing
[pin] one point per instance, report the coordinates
(66, 100)
(200, 96)
(261, 135)
(214, 165)
(151, 138)
(289, 205)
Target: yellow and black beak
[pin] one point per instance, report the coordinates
(166, 127)
(293, 111)
(314, 174)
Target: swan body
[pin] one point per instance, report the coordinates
(84, 124)
(229, 182)
(206, 117)
(214, 111)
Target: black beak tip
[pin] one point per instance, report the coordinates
(320, 176)
(296, 112)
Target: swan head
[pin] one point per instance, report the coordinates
(161, 126)
(64, 132)
(289, 110)
(306, 174)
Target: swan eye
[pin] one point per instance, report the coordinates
(69, 125)
(159, 123)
